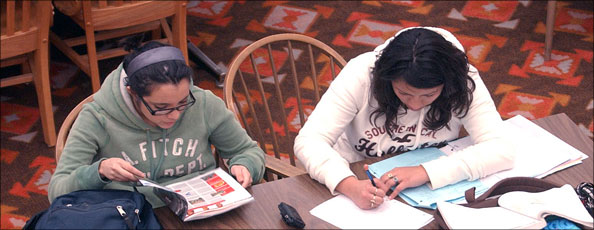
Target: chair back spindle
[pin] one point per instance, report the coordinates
(273, 85)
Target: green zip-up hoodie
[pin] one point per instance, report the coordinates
(109, 127)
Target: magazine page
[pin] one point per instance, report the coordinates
(210, 194)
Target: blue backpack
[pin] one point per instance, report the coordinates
(97, 209)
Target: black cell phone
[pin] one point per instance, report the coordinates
(290, 215)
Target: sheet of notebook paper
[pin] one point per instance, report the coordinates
(341, 212)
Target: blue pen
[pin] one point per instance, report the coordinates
(370, 177)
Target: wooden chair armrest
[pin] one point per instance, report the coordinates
(281, 168)
(273, 167)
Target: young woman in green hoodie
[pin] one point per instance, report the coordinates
(149, 121)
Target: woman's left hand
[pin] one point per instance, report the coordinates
(242, 175)
(404, 177)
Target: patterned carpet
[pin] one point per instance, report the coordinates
(503, 39)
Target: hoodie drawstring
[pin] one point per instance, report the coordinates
(155, 170)
(161, 156)
(150, 143)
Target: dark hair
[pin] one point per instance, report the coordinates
(142, 81)
(423, 59)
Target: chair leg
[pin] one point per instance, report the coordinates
(44, 97)
(156, 34)
(26, 67)
(91, 47)
(203, 61)
(179, 30)
(549, 28)
(93, 61)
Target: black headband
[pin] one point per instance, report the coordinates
(152, 56)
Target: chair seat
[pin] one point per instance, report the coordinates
(117, 14)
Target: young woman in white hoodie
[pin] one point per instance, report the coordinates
(416, 90)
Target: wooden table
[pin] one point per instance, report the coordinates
(303, 193)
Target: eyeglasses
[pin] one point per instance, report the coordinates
(168, 110)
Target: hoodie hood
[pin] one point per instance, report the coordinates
(445, 34)
(115, 100)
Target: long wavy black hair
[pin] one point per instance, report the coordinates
(423, 59)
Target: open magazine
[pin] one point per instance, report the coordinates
(203, 196)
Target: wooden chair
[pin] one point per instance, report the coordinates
(25, 28)
(65, 130)
(67, 124)
(104, 20)
(272, 91)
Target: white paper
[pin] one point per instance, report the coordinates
(392, 214)
(460, 217)
(539, 153)
(562, 202)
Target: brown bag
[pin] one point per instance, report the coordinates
(491, 196)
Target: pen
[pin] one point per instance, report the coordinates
(370, 177)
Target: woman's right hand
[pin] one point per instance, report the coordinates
(117, 169)
(362, 192)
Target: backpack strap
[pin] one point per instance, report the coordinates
(32, 222)
(526, 184)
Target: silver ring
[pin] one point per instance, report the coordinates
(373, 199)
(395, 180)
(375, 192)
(372, 204)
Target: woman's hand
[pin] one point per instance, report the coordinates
(404, 177)
(242, 175)
(117, 169)
(361, 192)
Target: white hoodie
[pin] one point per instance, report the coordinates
(338, 131)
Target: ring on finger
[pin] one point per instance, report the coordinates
(390, 176)
(375, 192)
(372, 204)
(396, 181)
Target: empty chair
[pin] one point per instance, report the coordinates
(102, 20)
(273, 85)
(25, 28)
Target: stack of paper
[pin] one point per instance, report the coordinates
(540, 153)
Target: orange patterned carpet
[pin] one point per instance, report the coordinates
(503, 39)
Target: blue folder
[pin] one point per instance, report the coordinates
(422, 196)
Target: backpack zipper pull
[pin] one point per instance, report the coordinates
(137, 215)
(125, 217)
(121, 211)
